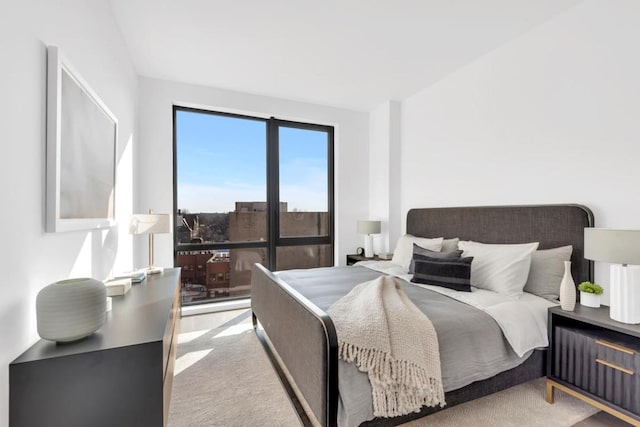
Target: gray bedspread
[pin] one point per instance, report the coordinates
(472, 346)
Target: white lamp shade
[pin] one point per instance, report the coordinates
(614, 246)
(619, 247)
(369, 227)
(150, 223)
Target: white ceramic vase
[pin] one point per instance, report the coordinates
(71, 309)
(589, 300)
(567, 289)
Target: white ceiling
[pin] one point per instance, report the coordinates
(348, 53)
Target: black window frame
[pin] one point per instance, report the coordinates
(274, 240)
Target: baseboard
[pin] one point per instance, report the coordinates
(214, 307)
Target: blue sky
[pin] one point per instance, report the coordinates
(223, 159)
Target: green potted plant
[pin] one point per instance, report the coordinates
(590, 294)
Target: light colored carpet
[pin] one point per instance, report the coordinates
(224, 378)
(522, 405)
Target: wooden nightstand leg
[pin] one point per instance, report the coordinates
(549, 393)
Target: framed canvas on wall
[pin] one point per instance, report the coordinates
(81, 151)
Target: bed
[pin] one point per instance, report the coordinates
(300, 338)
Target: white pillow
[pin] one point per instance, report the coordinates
(499, 268)
(404, 248)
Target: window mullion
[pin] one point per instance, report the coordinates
(273, 191)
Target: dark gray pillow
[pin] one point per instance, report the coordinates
(449, 273)
(546, 271)
(419, 251)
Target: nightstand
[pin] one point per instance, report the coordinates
(353, 258)
(595, 359)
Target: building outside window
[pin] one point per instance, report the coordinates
(248, 190)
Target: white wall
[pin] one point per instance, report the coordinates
(551, 117)
(155, 166)
(86, 33)
(384, 176)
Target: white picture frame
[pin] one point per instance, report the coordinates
(82, 140)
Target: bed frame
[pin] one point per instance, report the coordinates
(300, 339)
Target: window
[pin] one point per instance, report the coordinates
(249, 190)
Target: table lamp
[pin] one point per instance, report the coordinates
(622, 249)
(150, 224)
(368, 228)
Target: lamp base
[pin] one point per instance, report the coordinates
(368, 246)
(625, 293)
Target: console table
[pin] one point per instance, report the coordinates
(119, 376)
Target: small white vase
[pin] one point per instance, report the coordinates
(589, 300)
(71, 309)
(567, 289)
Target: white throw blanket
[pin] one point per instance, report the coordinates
(390, 339)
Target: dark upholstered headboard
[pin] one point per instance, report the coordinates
(551, 225)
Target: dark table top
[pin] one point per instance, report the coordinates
(598, 317)
(140, 316)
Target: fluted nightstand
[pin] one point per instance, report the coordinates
(595, 359)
